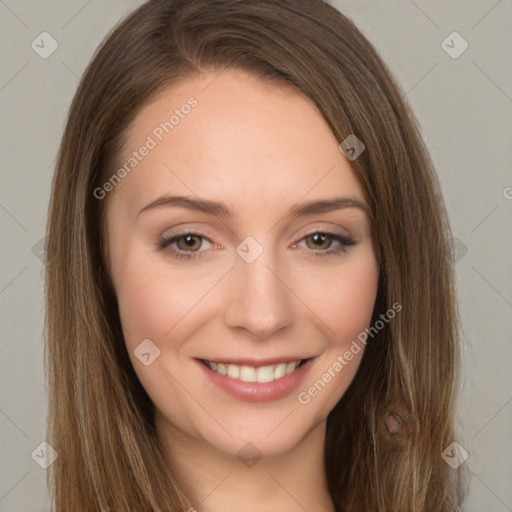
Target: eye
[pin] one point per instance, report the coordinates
(323, 240)
(188, 245)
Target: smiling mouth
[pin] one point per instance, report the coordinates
(260, 374)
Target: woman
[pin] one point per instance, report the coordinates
(250, 294)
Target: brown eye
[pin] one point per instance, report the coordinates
(191, 243)
(320, 240)
(184, 245)
(321, 243)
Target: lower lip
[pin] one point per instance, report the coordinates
(259, 391)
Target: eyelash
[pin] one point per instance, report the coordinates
(163, 242)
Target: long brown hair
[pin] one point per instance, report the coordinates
(100, 419)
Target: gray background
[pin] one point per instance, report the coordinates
(464, 108)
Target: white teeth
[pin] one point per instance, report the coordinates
(233, 371)
(265, 374)
(291, 366)
(251, 374)
(280, 371)
(247, 374)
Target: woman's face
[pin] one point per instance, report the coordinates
(258, 285)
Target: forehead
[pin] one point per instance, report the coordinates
(232, 137)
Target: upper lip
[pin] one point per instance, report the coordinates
(244, 361)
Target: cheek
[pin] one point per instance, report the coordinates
(346, 301)
(345, 306)
(158, 302)
(152, 305)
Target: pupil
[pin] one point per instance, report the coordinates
(190, 241)
(319, 238)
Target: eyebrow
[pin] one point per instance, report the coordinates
(217, 208)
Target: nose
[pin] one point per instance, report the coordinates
(260, 299)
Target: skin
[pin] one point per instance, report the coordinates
(260, 148)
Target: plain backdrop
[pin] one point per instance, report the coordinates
(463, 101)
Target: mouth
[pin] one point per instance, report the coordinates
(254, 374)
